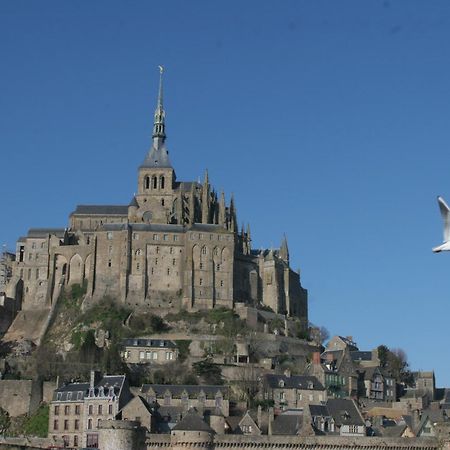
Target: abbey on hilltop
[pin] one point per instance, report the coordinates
(175, 245)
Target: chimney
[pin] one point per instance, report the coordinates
(316, 358)
(259, 416)
(95, 378)
(271, 419)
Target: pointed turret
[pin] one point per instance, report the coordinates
(233, 218)
(205, 199)
(222, 210)
(192, 205)
(284, 251)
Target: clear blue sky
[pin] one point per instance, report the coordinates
(329, 120)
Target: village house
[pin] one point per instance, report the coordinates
(148, 351)
(77, 408)
(293, 391)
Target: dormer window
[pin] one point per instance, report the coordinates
(281, 384)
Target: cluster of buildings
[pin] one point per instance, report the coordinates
(289, 405)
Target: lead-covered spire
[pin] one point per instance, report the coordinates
(158, 156)
(159, 131)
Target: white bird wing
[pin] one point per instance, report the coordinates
(445, 213)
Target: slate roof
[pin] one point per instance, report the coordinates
(192, 422)
(344, 412)
(142, 342)
(319, 410)
(157, 157)
(69, 392)
(294, 382)
(287, 424)
(361, 356)
(101, 210)
(193, 391)
(393, 431)
(186, 186)
(44, 232)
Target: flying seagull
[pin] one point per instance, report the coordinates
(445, 212)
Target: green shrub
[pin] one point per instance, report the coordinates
(37, 423)
(183, 349)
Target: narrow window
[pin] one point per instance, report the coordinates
(154, 182)
(174, 261)
(147, 182)
(76, 424)
(109, 263)
(162, 202)
(110, 409)
(67, 410)
(204, 250)
(66, 424)
(55, 424)
(75, 440)
(100, 409)
(200, 282)
(90, 409)
(161, 182)
(168, 271)
(89, 424)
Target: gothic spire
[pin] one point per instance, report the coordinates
(159, 132)
(284, 251)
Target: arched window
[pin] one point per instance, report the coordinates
(161, 182)
(154, 182)
(147, 182)
(204, 251)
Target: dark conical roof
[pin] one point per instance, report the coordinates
(192, 422)
(158, 156)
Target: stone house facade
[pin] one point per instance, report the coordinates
(180, 398)
(148, 351)
(175, 245)
(77, 408)
(293, 391)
